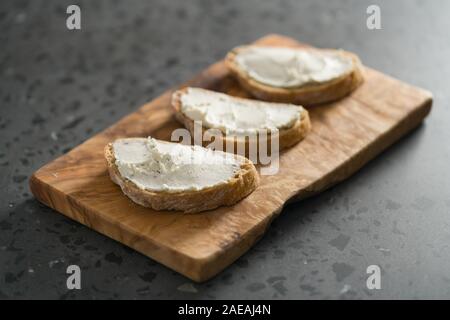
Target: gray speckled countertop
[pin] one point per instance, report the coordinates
(59, 87)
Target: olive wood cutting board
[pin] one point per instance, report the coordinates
(345, 135)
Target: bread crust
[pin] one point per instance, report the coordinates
(308, 95)
(287, 137)
(241, 185)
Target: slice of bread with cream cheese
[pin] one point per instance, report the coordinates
(172, 176)
(239, 119)
(304, 76)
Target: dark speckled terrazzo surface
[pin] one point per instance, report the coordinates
(59, 87)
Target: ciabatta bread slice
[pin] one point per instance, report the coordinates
(171, 176)
(239, 118)
(305, 76)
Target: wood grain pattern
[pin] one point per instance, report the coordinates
(345, 136)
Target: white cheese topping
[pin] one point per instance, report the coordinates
(237, 116)
(292, 67)
(164, 166)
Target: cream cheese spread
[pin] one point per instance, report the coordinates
(290, 67)
(164, 166)
(236, 116)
